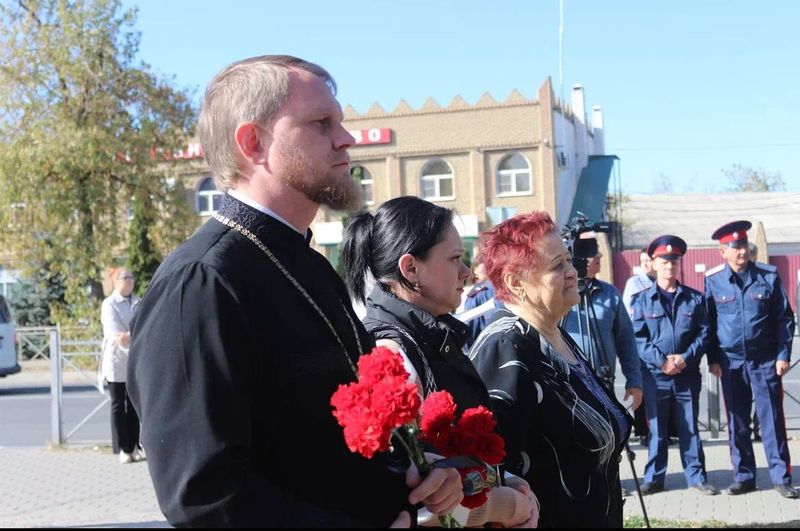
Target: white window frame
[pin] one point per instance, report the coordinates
(366, 182)
(437, 179)
(512, 174)
(206, 196)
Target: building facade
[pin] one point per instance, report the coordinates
(487, 161)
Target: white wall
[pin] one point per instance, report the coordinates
(573, 139)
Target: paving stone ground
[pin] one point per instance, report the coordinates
(763, 507)
(87, 487)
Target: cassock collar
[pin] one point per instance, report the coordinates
(384, 306)
(266, 228)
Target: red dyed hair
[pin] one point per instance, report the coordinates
(512, 247)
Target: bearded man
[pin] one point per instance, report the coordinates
(246, 331)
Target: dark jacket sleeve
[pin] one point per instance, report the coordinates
(714, 351)
(648, 351)
(513, 394)
(192, 380)
(783, 318)
(626, 347)
(699, 345)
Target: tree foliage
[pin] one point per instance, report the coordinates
(36, 298)
(143, 259)
(745, 179)
(82, 126)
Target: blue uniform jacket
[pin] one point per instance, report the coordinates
(614, 327)
(657, 336)
(754, 323)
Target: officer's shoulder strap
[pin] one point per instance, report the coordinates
(715, 270)
(768, 268)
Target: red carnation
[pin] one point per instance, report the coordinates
(475, 436)
(438, 414)
(380, 363)
(379, 402)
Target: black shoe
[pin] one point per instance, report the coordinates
(651, 488)
(787, 491)
(705, 488)
(737, 488)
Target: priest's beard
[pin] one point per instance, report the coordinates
(335, 189)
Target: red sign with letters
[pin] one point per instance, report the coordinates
(374, 135)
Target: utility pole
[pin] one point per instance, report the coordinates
(561, 52)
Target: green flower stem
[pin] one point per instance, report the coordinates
(418, 457)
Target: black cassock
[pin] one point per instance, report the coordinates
(232, 370)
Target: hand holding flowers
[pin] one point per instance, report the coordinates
(383, 406)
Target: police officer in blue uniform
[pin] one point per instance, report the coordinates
(671, 327)
(751, 329)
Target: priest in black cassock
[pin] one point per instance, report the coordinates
(246, 331)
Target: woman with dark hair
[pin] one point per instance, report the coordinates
(564, 430)
(413, 251)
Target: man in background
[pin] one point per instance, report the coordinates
(751, 331)
(603, 330)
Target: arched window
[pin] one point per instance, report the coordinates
(363, 176)
(208, 197)
(514, 176)
(437, 180)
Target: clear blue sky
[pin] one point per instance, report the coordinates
(688, 87)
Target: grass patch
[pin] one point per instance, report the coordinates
(638, 522)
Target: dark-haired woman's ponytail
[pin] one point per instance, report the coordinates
(356, 254)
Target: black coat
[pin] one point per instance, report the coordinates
(440, 339)
(232, 370)
(559, 436)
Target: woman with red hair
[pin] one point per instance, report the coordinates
(564, 430)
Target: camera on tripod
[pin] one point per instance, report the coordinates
(582, 250)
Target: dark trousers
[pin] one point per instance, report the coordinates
(677, 395)
(741, 382)
(124, 420)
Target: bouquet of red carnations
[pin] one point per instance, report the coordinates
(383, 403)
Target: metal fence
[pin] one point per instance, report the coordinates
(67, 348)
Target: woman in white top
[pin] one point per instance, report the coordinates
(115, 315)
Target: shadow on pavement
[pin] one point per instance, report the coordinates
(39, 390)
(154, 524)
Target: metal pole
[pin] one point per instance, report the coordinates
(56, 425)
(561, 55)
(712, 383)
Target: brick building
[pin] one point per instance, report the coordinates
(488, 161)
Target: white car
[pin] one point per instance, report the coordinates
(8, 348)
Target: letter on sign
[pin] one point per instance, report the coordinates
(374, 135)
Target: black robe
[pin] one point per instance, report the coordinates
(232, 370)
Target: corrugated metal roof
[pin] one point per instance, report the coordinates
(694, 217)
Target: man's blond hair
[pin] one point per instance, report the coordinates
(252, 90)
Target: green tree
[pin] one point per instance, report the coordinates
(83, 126)
(745, 179)
(143, 258)
(32, 298)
